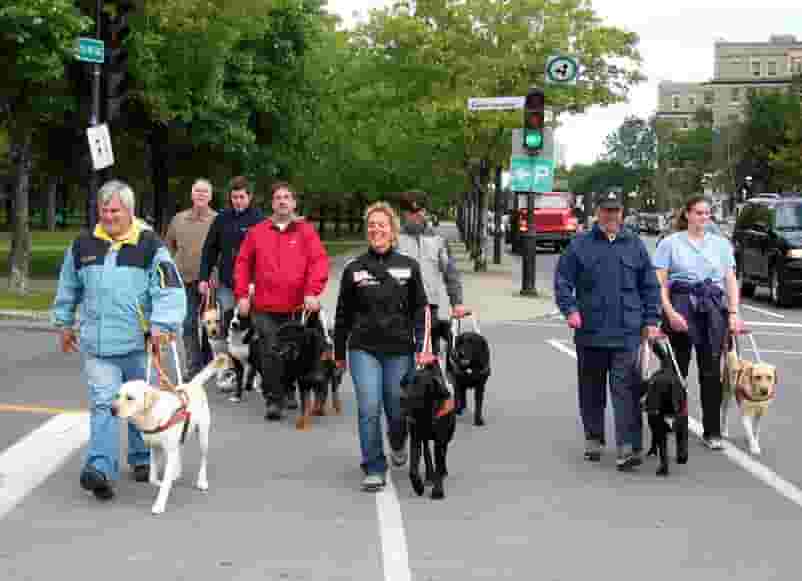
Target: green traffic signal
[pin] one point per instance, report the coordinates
(533, 139)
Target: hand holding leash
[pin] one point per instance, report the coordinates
(311, 304)
(244, 306)
(460, 311)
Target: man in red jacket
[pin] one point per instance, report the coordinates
(288, 266)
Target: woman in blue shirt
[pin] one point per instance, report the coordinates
(699, 294)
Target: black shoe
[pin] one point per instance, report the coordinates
(593, 450)
(273, 412)
(96, 481)
(627, 462)
(142, 472)
(292, 402)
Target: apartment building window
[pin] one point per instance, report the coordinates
(684, 124)
(750, 92)
(771, 68)
(735, 95)
(710, 97)
(755, 64)
(675, 102)
(796, 65)
(691, 101)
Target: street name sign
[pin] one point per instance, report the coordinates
(495, 103)
(562, 70)
(90, 50)
(100, 146)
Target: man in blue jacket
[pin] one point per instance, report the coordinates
(606, 288)
(125, 283)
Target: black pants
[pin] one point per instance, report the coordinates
(273, 387)
(708, 361)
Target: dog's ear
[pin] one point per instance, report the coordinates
(151, 397)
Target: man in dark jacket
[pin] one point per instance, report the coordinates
(606, 288)
(224, 239)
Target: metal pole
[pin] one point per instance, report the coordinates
(94, 120)
(529, 249)
(499, 237)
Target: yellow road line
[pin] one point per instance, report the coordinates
(37, 409)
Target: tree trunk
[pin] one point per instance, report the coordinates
(19, 262)
(52, 202)
(164, 200)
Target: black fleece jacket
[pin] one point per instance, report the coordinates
(223, 241)
(380, 317)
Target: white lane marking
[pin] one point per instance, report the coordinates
(763, 311)
(735, 454)
(395, 558)
(748, 324)
(795, 353)
(28, 462)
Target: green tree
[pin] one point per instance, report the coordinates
(634, 145)
(36, 41)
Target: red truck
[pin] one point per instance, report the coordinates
(555, 221)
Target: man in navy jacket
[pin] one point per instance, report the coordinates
(606, 288)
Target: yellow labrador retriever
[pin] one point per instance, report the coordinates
(166, 418)
(754, 386)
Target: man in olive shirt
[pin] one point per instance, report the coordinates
(185, 239)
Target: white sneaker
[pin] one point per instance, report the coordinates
(373, 482)
(713, 443)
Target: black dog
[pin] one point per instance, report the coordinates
(316, 373)
(428, 412)
(666, 402)
(469, 366)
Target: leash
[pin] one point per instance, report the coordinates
(456, 327)
(154, 361)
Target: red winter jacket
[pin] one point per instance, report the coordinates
(283, 266)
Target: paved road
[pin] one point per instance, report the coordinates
(521, 502)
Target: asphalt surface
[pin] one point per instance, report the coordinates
(521, 503)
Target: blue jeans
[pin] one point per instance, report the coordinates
(594, 366)
(105, 375)
(225, 296)
(377, 384)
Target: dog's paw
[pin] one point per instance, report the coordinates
(235, 399)
(302, 423)
(682, 458)
(202, 485)
(438, 493)
(479, 422)
(417, 484)
(158, 508)
(754, 449)
(662, 471)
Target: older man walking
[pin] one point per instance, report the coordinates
(125, 284)
(185, 239)
(606, 287)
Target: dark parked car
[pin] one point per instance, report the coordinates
(768, 247)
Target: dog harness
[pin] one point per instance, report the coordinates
(182, 414)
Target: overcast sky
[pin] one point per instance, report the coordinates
(676, 42)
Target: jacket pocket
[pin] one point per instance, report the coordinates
(590, 273)
(632, 311)
(629, 273)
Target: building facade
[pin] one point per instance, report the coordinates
(741, 69)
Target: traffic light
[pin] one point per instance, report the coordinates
(534, 119)
(115, 70)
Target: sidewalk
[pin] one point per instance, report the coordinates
(493, 295)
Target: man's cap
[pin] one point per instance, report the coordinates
(412, 201)
(611, 201)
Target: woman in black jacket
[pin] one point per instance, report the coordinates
(380, 315)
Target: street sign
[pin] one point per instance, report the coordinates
(495, 103)
(90, 50)
(531, 174)
(100, 146)
(562, 70)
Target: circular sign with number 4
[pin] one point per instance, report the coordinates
(561, 69)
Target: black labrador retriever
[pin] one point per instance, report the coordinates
(429, 415)
(468, 363)
(665, 401)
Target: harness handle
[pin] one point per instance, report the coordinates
(154, 362)
(427, 332)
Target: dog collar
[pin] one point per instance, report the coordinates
(182, 414)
